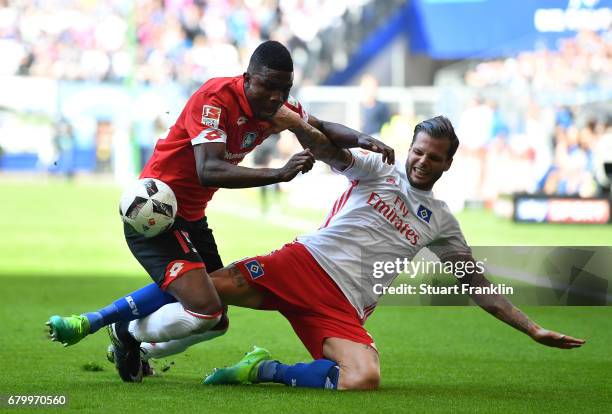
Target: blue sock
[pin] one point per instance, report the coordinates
(135, 305)
(321, 373)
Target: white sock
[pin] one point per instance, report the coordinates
(171, 321)
(176, 346)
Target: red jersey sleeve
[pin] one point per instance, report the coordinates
(206, 119)
(296, 107)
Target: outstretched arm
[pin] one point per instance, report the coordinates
(345, 137)
(323, 147)
(500, 307)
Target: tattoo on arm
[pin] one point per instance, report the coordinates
(322, 148)
(237, 277)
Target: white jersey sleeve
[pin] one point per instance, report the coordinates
(364, 165)
(450, 241)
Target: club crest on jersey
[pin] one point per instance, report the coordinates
(248, 140)
(424, 213)
(254, 268)
(211, 116)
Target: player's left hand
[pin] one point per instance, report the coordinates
(372, 144)
(556, 339)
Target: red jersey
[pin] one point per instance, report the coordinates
(217, 112)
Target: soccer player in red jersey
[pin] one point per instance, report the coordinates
(224, 120)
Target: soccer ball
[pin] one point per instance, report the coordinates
(149, 206)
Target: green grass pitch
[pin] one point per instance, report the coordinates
(62, 252)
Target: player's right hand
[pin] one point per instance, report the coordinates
(555, 339)
(302, 161)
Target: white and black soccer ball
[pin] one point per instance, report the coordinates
(149, 206)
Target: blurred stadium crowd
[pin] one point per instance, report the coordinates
(155, 41)
(552, 142)
(550, 150)
(583, 62)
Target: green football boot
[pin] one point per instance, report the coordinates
(244, 372)
(69, 329)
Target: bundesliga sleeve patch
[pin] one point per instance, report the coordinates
(211, 116)
(254, 268)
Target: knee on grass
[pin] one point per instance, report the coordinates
(365, 377)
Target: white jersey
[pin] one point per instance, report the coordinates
(381, 217)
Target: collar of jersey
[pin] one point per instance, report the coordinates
(427, 193)
(242, 99)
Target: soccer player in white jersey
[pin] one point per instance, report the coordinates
(323, 282)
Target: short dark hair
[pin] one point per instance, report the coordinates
(273, 55)
(439, 127)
